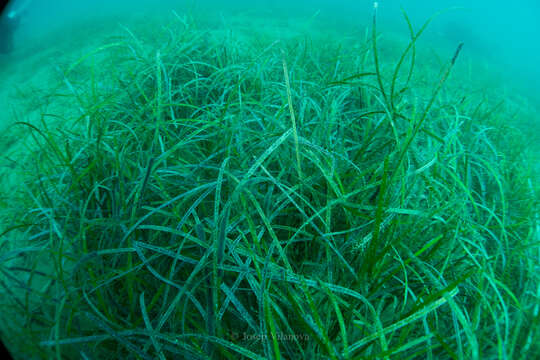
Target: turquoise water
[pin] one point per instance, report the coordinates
(506, 33)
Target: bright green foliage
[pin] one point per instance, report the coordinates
(193, 202)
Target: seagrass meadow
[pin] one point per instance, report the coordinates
(250, 190)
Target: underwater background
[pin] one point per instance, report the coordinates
(270, 179)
